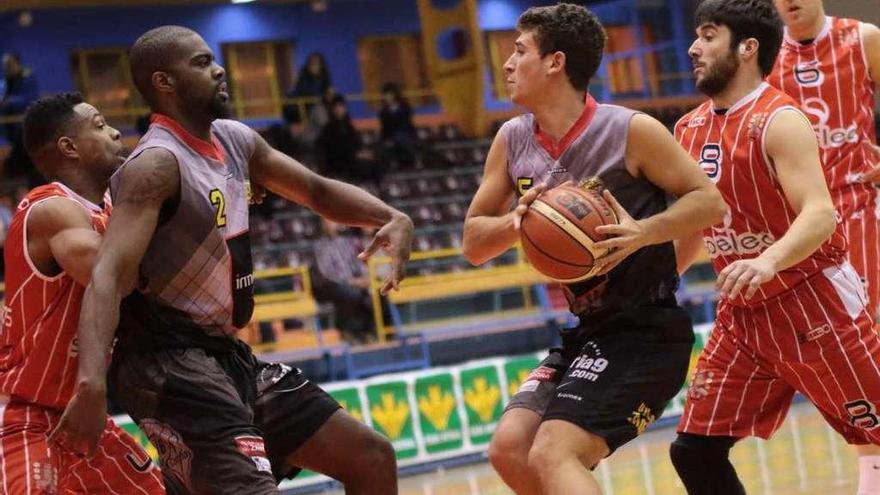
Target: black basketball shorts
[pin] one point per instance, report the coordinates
(222, 423)
(613, 377)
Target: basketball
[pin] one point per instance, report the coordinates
(559, 232)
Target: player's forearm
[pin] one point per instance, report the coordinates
(350, 205)
(812, 227)
(686, 251)
(98, 320)
(486, 237)
(690, 214)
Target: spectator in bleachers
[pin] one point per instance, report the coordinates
(399, 136)
(342, 279)
(19, 89)
(313, 82)
(6, 209)
(340, 147)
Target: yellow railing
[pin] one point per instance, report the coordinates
(302, 104)
(449, 284)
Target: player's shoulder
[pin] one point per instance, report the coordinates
(773, 98)
(696, 117)
(517, 128)
(521, 121)
(229, 126)
(845, 25)
(41, 193)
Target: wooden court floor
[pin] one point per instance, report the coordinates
(805, 457)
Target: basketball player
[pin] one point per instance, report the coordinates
(792, 315)
(829, 66)
(50, 250)
(223, 422)
(621, 366)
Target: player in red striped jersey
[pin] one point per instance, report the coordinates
(792, 314)
(830, 66)
(50, 250)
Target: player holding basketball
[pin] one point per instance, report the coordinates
(829, 65)
(50, 250)
(178, 243)
(634, 340)
(792, 314)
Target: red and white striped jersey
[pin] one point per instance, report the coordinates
(730, 148)
(38, 354)
(831, 80)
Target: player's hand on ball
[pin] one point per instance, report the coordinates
(629, 236)
(82, 424)
(744, 275)
(525, 200)
(395, 237)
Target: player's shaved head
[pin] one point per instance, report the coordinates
(153, 52)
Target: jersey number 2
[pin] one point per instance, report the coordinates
(219, 202)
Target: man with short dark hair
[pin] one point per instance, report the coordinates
(178, 247)
(50, 251)
(629, 356)
(792, 315)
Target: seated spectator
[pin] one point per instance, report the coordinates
(341, 149)
(6, 209)
(20, 88)
(342, 279)
(399, 136)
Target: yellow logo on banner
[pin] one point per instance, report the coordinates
(355, 413)
(482, 399)
(390, 415)
(513, 385)
(437, 407)
(642, 418)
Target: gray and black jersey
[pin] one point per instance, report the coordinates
(595, 149)
(196, 278)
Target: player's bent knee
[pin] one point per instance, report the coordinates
(377, 457)
(689, 451)
(508, 450)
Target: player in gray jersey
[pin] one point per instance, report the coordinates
(628, 357)
(177, 246)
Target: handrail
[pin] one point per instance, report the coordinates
(302, 102)
(376, 282)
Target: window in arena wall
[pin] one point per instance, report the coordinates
(398, 59)
(500, 45)
(102, 75)
(625, 75)
(259, 75)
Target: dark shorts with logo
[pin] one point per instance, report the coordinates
(615, 376)
(223, 422)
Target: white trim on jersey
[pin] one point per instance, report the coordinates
(861, 26)
(24, 247)
(826, 28)
(745, 100)
(770, 118)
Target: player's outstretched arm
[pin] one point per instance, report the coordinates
(791, 145)
(61, 238)
(490, 227)
(871, 39)
(147, 182)
(652, 153)
(338, 201)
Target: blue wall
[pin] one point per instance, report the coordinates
(46, 44)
